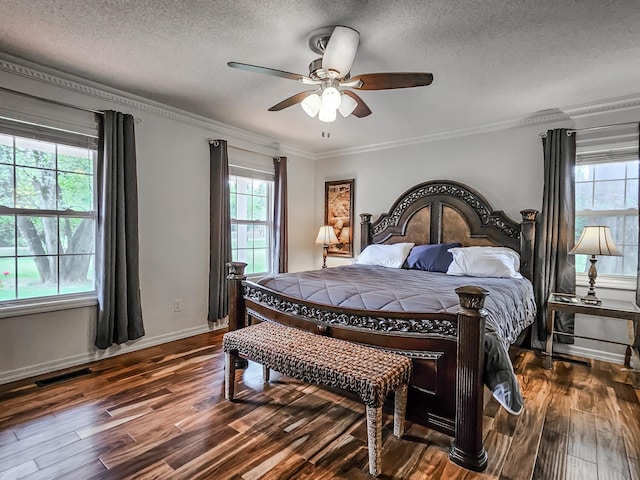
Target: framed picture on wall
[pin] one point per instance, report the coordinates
(338, 212)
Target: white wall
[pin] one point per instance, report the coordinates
(505, 166)
(173, 190)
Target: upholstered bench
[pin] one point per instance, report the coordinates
(365, 371)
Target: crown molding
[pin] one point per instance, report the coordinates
(535, 119)
(610, 105)
(50, 76)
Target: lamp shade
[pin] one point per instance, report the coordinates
(327, 114)
(596, 240)
(326, 236)
(311, 104)
(347, 106)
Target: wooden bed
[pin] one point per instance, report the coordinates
(447, 388)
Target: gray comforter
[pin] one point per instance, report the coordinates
(510, 306)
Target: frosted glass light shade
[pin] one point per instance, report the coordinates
(326, 236)
(596, 240)
(331, 97)
(327, 114)
(347, 106)
(311, 104)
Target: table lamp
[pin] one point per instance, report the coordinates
(326, 236)
(595, 240)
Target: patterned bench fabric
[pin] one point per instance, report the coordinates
(365, 371)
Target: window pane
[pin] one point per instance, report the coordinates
(245, 237)
(260, 206)
(584, 173)
(75, 192)
(609, 171)
(632, 169)
(631, 230)
(243, 207)
(233, 188)
(608, 195)
(630, 261)
(260, 187)
(632, 194)
(35, 188)
(245, 255)
(584, 196)
(609, 265)
(243, 185)
(7, 236)
(77, 235)
(74, 159)
(37, 235)
(35, 153)
(7, 279)
(261, 259)
(76, 273)
(6, 185)
(37, 276)
(6, 149)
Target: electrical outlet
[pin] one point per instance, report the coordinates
(177, 305)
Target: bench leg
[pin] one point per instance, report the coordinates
(229, 374)
(265, 374)
(399, 410)
(374, 439)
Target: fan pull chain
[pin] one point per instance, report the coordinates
(326, 134)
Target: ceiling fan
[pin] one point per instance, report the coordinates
(331, 77)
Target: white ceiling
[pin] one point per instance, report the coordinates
(492, 60)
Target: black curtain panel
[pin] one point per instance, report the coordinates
(280, 228)
(220, 230)
(117, 266)
(554, 270)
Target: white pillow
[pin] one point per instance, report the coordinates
(392, 256)
(484, 262)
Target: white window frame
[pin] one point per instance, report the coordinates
(253, 174)
(59, 301)
(615, 145)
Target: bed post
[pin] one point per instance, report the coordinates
(365, 230)
(236, 300)
(467, 449)
(527, 242)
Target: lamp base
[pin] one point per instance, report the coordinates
(591, 299)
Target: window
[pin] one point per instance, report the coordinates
(607, 194)
(251, 222)
(47, 212)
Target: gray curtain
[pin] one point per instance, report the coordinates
(638, 269)
(118, 282)
(220, 230)
(554, 270)
(280, 234)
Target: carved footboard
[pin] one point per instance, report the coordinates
(447, 351)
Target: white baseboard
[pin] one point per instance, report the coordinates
(589, 353)
(88, 357)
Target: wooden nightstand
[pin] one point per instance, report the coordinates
(623, 310)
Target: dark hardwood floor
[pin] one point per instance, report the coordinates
(160, 413)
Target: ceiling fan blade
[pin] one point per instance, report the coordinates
(297, 98)
(386, 81)
(361, 110)
(269, 71)
(341, 51)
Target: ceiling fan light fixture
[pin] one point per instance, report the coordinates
(331, 98)
(347, 106)
(327, 114)
(311, 105)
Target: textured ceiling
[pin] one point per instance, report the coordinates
(492, 60)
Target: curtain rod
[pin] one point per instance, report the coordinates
(213, 141)
(602, 127)
(55, 102)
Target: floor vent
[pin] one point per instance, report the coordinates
(62, 377)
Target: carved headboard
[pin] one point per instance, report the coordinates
(445, 211)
